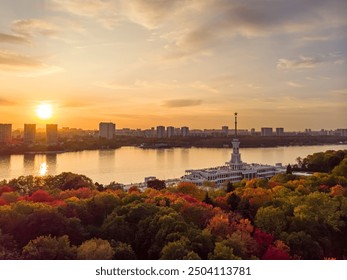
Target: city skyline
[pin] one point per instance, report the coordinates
(174, 63)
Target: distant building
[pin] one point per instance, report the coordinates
(170, 131)
(177, 131)
(225, 130)
(252, 131)
(341, 132)
(185, 131)
(52, 134)
(107, 130)
(160, 131)
(29, 133)
(279, 131)
(5, 132)
(266, 131)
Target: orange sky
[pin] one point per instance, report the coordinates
(144, 63)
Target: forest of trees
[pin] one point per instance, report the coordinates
(288, 217)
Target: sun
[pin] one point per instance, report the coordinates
(44, 111)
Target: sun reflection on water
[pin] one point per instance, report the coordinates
(43, 169)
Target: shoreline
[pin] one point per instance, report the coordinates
(165, 148)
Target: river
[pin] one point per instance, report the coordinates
(131, 165)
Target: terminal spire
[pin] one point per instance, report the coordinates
(235, 125)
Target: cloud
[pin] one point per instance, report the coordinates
(147, 13)
(5, 102)
(176, 103)
(34, 27)
(13, 39)
(138, 85)
(317, 38)
(88, 8)
(339, 92)
(24, 65)
(301, 63)
(150, 13)
(339, 61)
(194, 27)
(294, 84)
(75, 104)
(105, 12)
(211, 22)
(114, 85)
(205, 87)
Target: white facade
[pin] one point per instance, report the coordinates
(234, 170)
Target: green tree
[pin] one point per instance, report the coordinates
(341, 169)
(49, 248)
(156, 184)
(233, 201)
(289, 169)
(223, 251)
(95, 249)
(320, 208)
(123, 251)
(230, 187)
(271, 220)
(175, 250)
(8, 247)
(303, 246)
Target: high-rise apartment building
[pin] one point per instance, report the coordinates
(5, 132)
(279, 131)
(185, 131)
(52, 134)
(225, 130)
(107, 130)
(170, 131)
(29, 133)
(266, 131)
(177, 131)
(160, 131)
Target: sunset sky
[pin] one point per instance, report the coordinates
(143, 63)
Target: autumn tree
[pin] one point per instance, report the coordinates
(49, 248)
(223, 251)
(95, 249)
(175, 250)
(123, 251)
(9, 249)
(156, 184)
(271, 220)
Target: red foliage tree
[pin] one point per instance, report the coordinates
(5, 188)
(2, 202)
(263, 240)
(80, 193)
(274, 253)
(41, 196)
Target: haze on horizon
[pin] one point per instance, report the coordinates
(142, 63)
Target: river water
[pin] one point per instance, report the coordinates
(131, 165)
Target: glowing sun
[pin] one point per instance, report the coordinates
(44, 111)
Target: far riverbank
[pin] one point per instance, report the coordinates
(88, 143)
